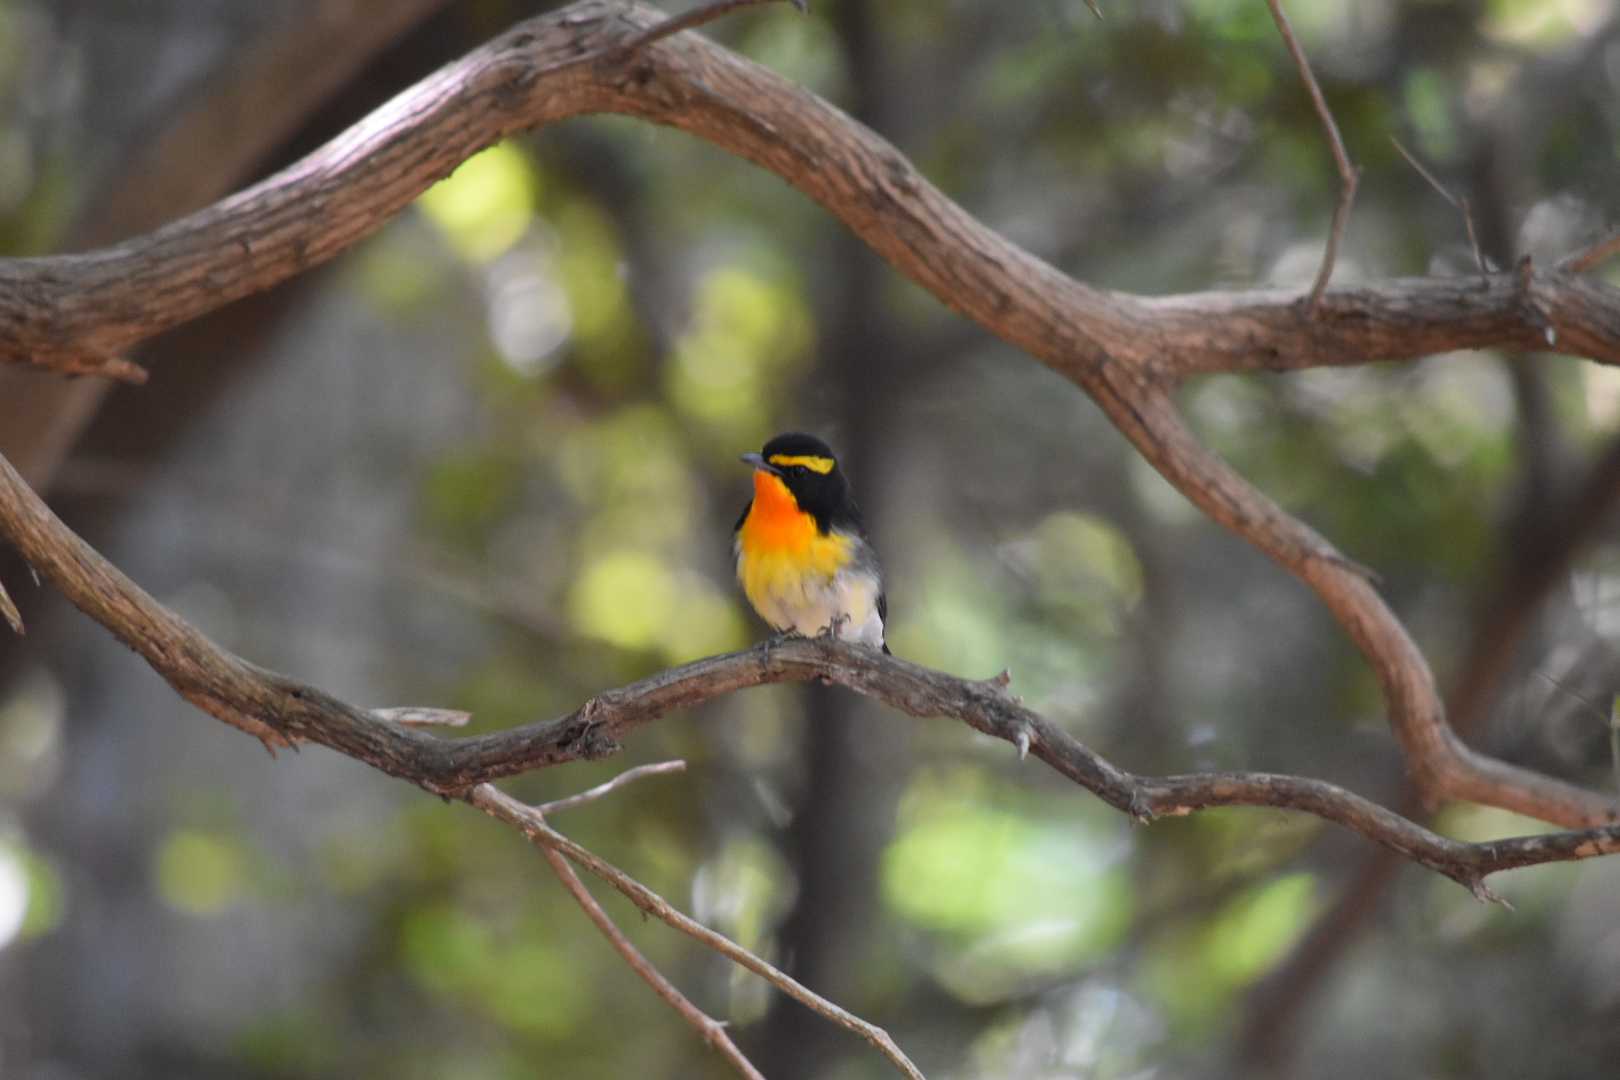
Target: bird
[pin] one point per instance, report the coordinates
(803, 558)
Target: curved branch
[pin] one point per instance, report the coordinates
(283, 712)
(1126, 351)
(578, 60)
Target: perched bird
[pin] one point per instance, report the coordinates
(802, 554)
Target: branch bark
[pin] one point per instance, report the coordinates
(575, 61)
(1127, 352)
(281, 711)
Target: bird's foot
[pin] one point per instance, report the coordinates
(834, 628)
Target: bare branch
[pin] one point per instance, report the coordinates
(553, 67)
(629, 776)
(1546, 544)
(1440, 764)
(1458, 202)
(1349, 177)
(712, 1030)
(281, 711)
(1124, 351)
(689, 20)
(1590, 257)
(503, 807)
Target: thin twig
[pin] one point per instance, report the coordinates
(712, 1030)
(503, 807)
(9, 610)
(1348, 175)
(1459, 202)
(689, 20)
(629, 776)
(1589, 257)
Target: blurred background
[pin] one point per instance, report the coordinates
(487, 460)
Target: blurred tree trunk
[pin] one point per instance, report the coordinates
(840, 823)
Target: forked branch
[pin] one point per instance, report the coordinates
(708, 1028)
(503, 807)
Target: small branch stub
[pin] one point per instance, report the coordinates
(421, 716)
(8, 609)
(690, 20)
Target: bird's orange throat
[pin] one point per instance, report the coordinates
(775, 523)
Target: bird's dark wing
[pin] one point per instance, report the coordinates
(743, 516)
(883, 617)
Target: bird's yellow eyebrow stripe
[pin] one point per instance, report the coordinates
(813, 462)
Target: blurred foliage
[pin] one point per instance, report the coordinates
(584, 328)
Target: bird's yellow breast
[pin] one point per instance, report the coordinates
(783, 560)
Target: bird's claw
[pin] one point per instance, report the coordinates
(832, 629)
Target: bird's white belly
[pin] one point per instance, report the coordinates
(811, 604)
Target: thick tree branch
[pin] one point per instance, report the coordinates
(281, 712)
(200, 150)
(1547, 543)
(1125, 351)
(574, 61)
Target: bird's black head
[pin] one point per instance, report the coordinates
(807, 467)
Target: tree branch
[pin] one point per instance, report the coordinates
(283, 712)
(573, 61)
(1590, 258)
(503, 807)
(1126, 352)
(1348, 176)
(712, 1031)
(1458, 203)
(1123, 350)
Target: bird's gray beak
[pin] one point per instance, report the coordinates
(760, 463)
